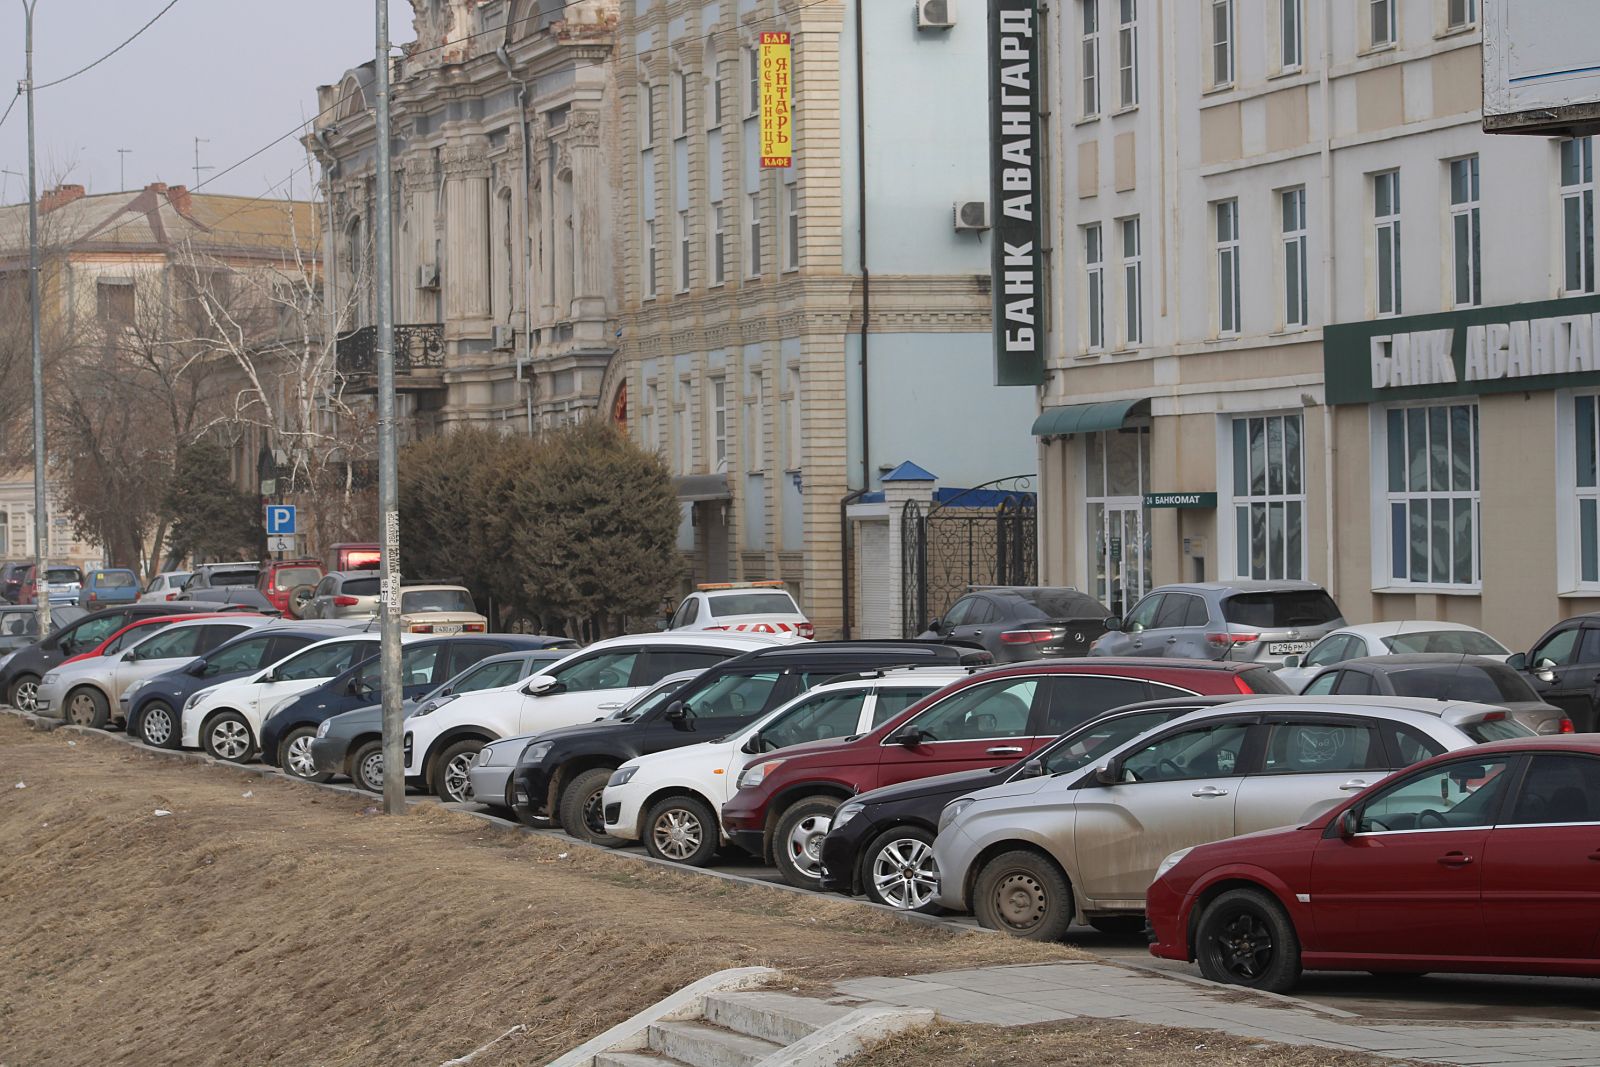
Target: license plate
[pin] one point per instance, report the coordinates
(1288, 648)
(448, 628)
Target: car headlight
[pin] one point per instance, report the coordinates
(324, 727)
(847, 812)
(1172, 861)
(953, 811)
(280, 705)
(194, 698)
(622, 776)
(536, 752)
(756, 773)
(492, 754)
(50, 678)
(134, 688)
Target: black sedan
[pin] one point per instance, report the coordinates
(1023, 622)
(881, 842)
(1443, 676)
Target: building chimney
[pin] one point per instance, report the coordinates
(180, 198)
(58, 197)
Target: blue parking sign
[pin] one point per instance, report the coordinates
(280, 520)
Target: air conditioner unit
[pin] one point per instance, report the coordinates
(972, 216)
(505, 338)
(428, 276)
(934, 15)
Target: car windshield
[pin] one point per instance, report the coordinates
(1482, 683)
(359, 587)
(1505, 729)
(725, 604)
(647, 702)
(235, 577)
(289, 577)
(63, 574)
(1062, 603)
(435, 600)
(1280, 609)
(114, 580)
(324, 661)
(19, 623)
(1081, 747)
(1461, 642)
(490, 676)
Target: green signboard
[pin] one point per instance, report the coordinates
(1180, 500)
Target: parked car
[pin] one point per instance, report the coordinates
(1030, 857)
(439, 609)
(564, 772)
(11, 581)
(165, 586)
(1564, 669)
(344, 595)
(1497, 841)
(670, 800)
(351, 742)
(151, 708)
(63, 584)
(135, 630)
(354, 556)
(88, 692)
(425, 666)
(1389, 639)
(19, 625)
(744, 607)
(105, 586)
(881, 842)
(217, 575)
(441, 745)
(229, 598)
(1262, 622)
(1442, 677)
(289, 584)
(1019, 622)
(784, 805)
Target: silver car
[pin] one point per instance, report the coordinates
(344, 595)
(1031, 856)
(1260, 622)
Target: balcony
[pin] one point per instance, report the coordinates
(418, 357)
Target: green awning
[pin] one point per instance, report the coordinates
(1083, 418)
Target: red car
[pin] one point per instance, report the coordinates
(282, 579)
(1480, 861)
(138, 630)
(784, 806)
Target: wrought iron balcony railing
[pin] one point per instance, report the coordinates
(417, 347)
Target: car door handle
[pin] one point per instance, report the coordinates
(1595, 855)
(1172, 640)
(1209, 791)
(1005, 750)
(607, 707)
(1353, 785)
(1454, 859)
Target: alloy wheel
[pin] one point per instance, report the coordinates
(1244, 946)
(1020, 900)
(156, 726)
(805, 844)
(297, 758)
(678, 834)
(904, 874)
(26, 695)
(230, 740)
(458, 777)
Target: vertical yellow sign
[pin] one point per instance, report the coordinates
(777, 123)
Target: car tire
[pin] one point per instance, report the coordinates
(86, 706)
(294, 755)
(227, 737)
(1025, 895)
(366, 767)
(299, 600)
(24, 693)
(797, 840)
(1244, 937)
(682, 829)
(1118, 925)
(582, 816)
(451, 780)
(897, 870)
(158, 725)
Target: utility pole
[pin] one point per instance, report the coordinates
(394, 776)
(41, 521)
(198, 141)
(122, 168)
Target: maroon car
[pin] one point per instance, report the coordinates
(1480, 861)
(784, 805)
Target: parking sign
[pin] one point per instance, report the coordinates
(280, 520)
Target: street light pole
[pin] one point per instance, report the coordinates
(394, 777)
(41, 522)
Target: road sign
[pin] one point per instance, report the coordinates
(281, 544)
(280, 521)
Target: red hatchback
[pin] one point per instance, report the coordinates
(1480, 861)
(784, 805)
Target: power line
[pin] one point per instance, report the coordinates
(84, 70)
(9, 106)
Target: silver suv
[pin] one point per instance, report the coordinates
(344, 595)
(1261, 622)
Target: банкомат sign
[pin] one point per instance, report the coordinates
(1553, 344)
(1017, 244)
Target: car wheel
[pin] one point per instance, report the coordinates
(1118, 925)
(1025, 895)
(582, 811)
(899, 869)
(227, 737)
(797, 841)
(86, 706)
(366, 767)
(294, 755)
(24, 695)
(452, 771)
(158, 725)
(1245, 938)
(682, 829)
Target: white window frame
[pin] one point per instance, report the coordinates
(1577, 206)
(1296, 265)
(719, 425)
(791, 200)
(680, 103)
(1094, 287)
(1386, 497)
(1388, 301)
(1575, 500)
(752, 100)
(1291, 35)
(1127, 54)
(1284, 499)
(684, 263)
(647, 114)
(1222, 70)
(714, 113)
(1383, 27)
(1466, 235)
(652, 264)
(1469, 14)
(753, 262)
(1089, 58)
(718, 244)
(1229, 302)
(1132, 280)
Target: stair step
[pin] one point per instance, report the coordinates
(634, 1059)
(777, 1017)
(700, 1044)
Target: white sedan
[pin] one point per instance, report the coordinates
(1388, 639)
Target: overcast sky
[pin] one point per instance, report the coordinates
(236, 72)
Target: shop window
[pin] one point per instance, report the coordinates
(1586, 441)
(1269, 503)
(1432, 494)
(1116, 477)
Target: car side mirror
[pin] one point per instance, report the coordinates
(1031, 769)
(358, 688)
(1544, 674)
(1108, 774)
(1113, 623)
(1291, 661)
(198, 669)
(1518, 661)
(676, 712)
(909, 736)
(752, 745)
(1349, 823)
(543, 685)
(130, 656)
(936, 624)
(1545, 663)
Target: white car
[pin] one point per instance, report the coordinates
(165, 586)
(88, 691)
(671, 799)
(742, 607)
(441, 746)
(226, 719)
(1388, 639)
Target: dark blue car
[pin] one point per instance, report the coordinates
(151, 708)
(287, 731)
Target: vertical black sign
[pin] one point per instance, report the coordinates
(1014, 192)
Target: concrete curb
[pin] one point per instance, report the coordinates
(838, 1041)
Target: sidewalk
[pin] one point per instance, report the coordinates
(1055, 992)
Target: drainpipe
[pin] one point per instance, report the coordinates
(846, 539)
(1329, 292)
(526, 359)
(847, 542)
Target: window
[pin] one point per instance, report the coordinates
(714, 100)
(719, 246)
(1094, 275)
(1465, 255)
(1321, 748)
(683, 250)
(1382, 24)
(1181, 610)
(324, 661)
(651, 259)
(418, 666)
(1334, 649)
(491, 675)
(1461, 14)
(891, 702)
(604, 670)
(680, 103)
(1577, 214)
(647, 117)
(791, 193)
(240, 656)
(733, 696)
(752, 66)
(114, 302)
(1296, 288)
(980, 712)
(816, 718)
(1289, 32)
(1558, 789)
(1221, 43)
(1203, 752)
(1354, 684)
(1450, 796)
(1132, 283)
(1227, 267)
(180, 641)
(1128, 53)
(1433, 497)
(1587, 438)
(753, 217)
(719, 423)
(1091, 57)
(1269, 497)
(1144, 614)
(1386, 219)
(791, 418)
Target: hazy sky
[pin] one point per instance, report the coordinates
(237, 72)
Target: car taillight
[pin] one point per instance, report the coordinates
(1566, 727)
(716, 628)
(422, 628)
(171, 596)
(1026, 637)
(1243, 686)
(1226, 640)
(1493, 716)
(474, 628)
(805, 630)
(345, 601)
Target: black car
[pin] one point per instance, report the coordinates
(19, 678)
(287, 732)
(564, 772)
(1564, 669)
(1023, 622)
(1442, 676)
(19, 624)
(11, 575)
(881, 842)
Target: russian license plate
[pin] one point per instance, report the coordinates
(447, 628)
(1288, 648)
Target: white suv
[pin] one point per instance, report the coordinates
(742, 607)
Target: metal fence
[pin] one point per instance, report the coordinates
(948, 548)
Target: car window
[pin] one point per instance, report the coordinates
(815, 718)
(1481, 683)
(218, 634)
(1501, 729)
(132, 636)
(1589, 646)
(688, 611)
(1198, 614)
(463, 654)
(94, 631)
(325, 661)
(489, 676)
(1321, 748)
(610, 669)
(1354, 684)
(220, 579)
(660, 662)
(724, 604)
(648, 701)
(980, 712)
(170, 643)
(1143, 615)
(1077, 698)
(285, 645)
(21, 623)
(982, 611)
(417, 667)
(1558, 789)
(1458, 642)
(435, 600)
(1081, 747)
(1201, 752)
(1450, 796)
(246, 655)
(1280, 609)
(733, 696)
(1322, 684)
(1174, 610)
(115, 580)
(325, 587)
(290, 577)
(1559, 648)
(1332, 649)
(891, 702)
(1408, 745)
(960, 612)
(361, 587)
(63, 574)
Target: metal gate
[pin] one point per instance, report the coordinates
(984, 536)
